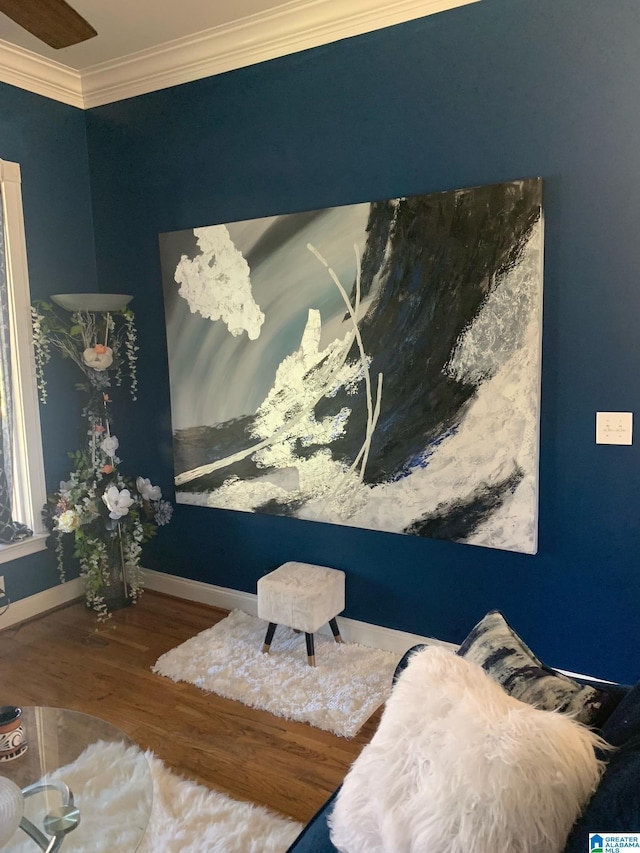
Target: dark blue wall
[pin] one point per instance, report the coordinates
(498, 90)
(48, 140)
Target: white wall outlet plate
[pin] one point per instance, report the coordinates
(614, 427)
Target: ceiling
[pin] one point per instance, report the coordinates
(144, 45)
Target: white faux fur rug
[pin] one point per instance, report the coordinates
(185, 817)
(339, 694)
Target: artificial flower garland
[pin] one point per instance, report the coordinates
(109, 515)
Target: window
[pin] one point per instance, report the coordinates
(26, 465)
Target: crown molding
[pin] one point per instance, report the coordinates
(288, 28)
(28, 70)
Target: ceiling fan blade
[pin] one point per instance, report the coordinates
(52, 21)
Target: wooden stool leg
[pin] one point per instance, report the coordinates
(311, 654)
(267, 640)
(336, 630)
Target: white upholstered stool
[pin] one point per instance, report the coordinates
(303, 597)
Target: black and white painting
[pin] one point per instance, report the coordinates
(374, 365)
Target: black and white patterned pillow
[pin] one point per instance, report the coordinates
(508, 660)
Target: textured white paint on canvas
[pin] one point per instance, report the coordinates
(375, 365)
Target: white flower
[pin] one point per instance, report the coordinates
(98, 357)
(68, 521)
(110, 445)
(65, 488)
(148, 492)
(164, 511)
(117, 502)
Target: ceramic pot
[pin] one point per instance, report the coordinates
(12, 735)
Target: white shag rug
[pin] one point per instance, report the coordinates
(339, 694)
(185, 817)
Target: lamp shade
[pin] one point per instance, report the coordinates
(101, 303)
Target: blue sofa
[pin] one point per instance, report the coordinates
(615, 806)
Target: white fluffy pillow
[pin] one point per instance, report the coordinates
(459, 766)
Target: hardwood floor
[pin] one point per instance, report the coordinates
(61, 660)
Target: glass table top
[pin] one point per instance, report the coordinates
(86, 785)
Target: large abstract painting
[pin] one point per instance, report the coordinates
(374, 365)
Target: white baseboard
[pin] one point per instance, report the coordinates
(351, 630)
(365, 633)
(41, 602)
